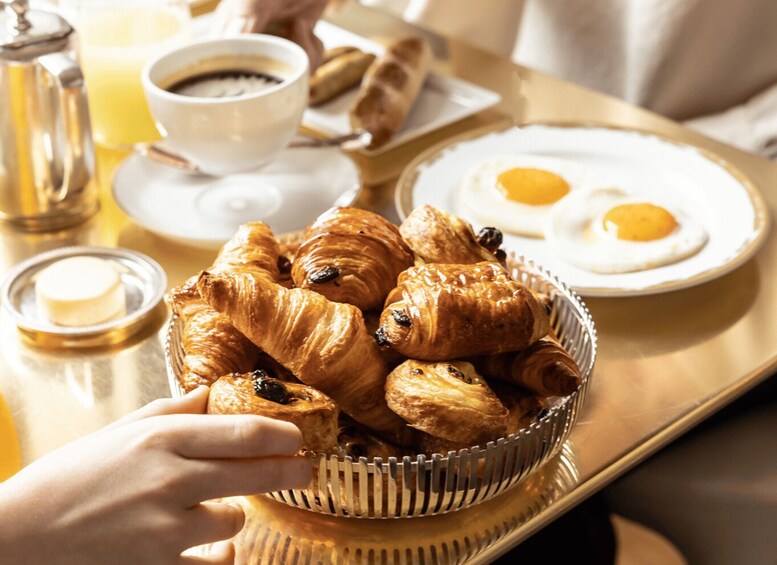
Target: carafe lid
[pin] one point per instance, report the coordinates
(26, 34)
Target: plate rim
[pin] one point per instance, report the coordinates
(403, 198)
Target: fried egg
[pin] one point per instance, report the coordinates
(610, 230)
(515, 193)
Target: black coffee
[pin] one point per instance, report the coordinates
(224, 83)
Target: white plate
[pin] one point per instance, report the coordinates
(707, 187)
(206, 211)
(442, 101)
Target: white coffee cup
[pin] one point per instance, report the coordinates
(233, 133)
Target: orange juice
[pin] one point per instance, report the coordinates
(10, 457)
(116, 41)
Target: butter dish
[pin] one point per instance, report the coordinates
(143, 280)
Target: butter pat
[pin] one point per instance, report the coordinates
(80, 291)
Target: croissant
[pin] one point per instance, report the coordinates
(453, 311)
(351, 255)
(447, 400)
(211, 346)
(544, 368)
(438, 237)
(313, 412)
(324, 343)
(252, 248)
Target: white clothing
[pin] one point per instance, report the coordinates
(681, 58)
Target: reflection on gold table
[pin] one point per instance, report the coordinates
(665, 362)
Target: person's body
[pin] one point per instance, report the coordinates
(713, 62)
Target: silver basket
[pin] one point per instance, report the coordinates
(429, 484)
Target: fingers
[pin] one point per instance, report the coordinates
(221, 553)
(218, 479)
(213, 521)
(194, 402)
(228, 436)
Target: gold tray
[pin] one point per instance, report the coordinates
(429, 484)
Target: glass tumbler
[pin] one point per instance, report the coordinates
(116, 39)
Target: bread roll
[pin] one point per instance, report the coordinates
(338, 75)
(389, 89)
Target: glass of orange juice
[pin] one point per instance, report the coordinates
(118, 37)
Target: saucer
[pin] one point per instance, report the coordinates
(205, 211)
(144, 283)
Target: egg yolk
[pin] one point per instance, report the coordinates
(532, 186)
(639, 222)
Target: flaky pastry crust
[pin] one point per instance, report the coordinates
(323, 343)
(351, 255)
(211, 346)
(438, 237)
(448, 400)
(449, 311)
(544, 368)
(313, 412)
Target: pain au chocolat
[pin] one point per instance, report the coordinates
(448, 311)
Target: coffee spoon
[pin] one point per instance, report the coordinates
(355, 140)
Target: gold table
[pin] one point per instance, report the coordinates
(665, 362)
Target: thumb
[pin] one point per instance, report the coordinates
(193, 402)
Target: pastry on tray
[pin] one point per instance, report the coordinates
(341, 69)
(389, 90)
(313, 412)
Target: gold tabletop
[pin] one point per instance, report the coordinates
(665, 362)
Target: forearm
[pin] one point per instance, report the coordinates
(17, 511)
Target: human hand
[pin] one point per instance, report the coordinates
(137, 490)
(292, 19)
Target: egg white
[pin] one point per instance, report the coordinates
(480, 198)
(575, 232)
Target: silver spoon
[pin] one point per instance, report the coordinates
(354, 140)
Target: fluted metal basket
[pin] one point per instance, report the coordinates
(429, 484)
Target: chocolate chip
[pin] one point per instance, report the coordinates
(459, 375)
(324, 275)
(401, 318)
(284, 265)
(490, 238)
(380, 337)
(269, 388)
(417, 372)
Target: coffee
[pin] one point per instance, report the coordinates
(222, 77)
